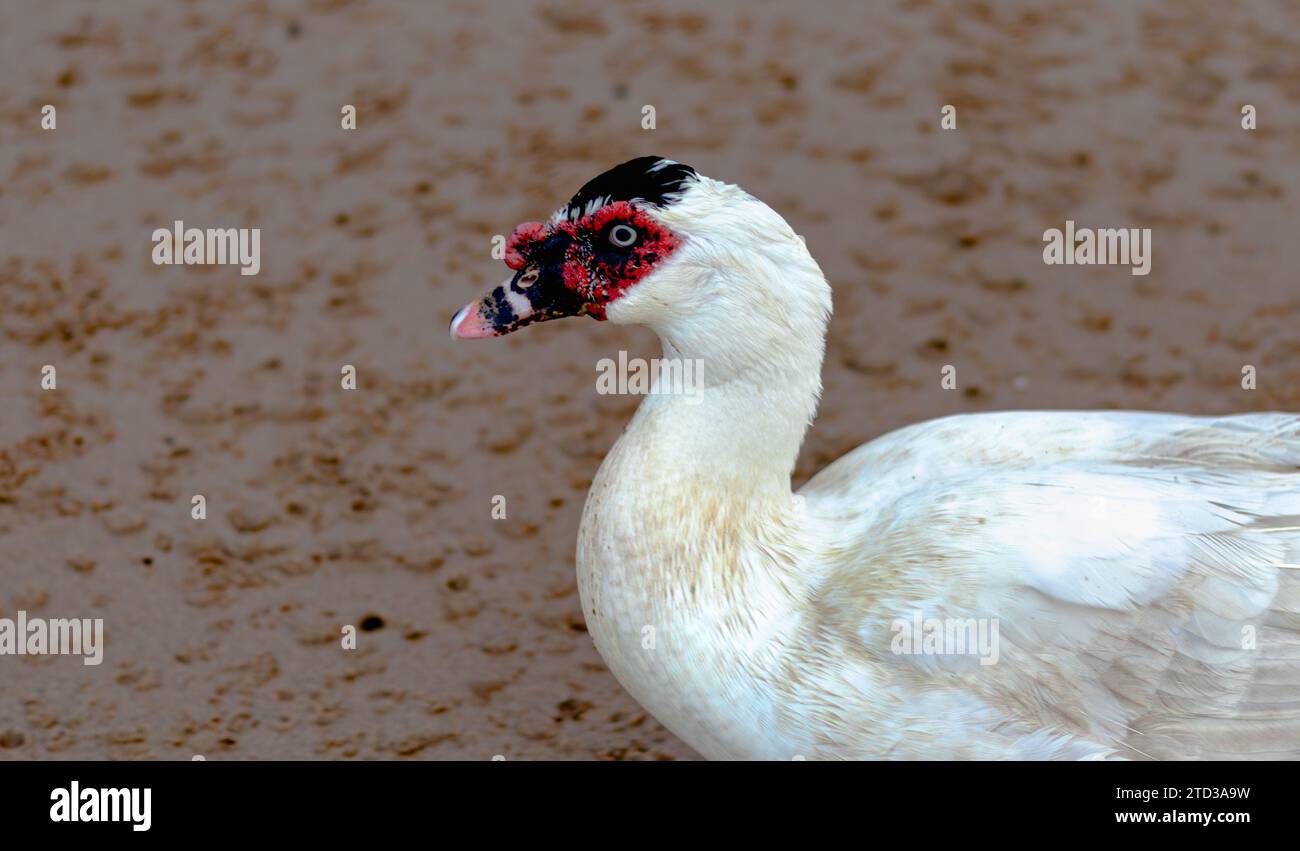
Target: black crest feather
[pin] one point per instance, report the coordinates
(651, 180)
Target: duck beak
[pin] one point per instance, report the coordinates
(471, 322)
(532, 295)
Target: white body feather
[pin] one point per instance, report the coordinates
(1141, 567)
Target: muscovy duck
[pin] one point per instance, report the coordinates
(1139, 573)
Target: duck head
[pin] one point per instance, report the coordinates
(652, 242)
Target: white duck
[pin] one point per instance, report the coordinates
(1140, 569)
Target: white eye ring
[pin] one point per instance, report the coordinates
(527, 279)
(623, 235)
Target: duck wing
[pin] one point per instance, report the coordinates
(1143, 571)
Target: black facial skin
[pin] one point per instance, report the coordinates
(579, 271)
(548, 295)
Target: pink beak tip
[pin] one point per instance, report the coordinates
(468, 324)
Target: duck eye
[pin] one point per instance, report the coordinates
(622, 235)
(527, 279)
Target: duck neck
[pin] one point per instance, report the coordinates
(739, 428)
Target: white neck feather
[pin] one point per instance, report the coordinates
(748, 303)
(690, 527)
(744, 424)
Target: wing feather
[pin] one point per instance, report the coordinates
(1142, 569)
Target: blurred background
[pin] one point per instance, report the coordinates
(372, 507)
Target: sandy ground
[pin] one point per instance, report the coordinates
(327, 507)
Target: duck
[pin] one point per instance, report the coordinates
(1017, 585)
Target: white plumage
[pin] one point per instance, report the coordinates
(1141, 568)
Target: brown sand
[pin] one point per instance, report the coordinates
(327, 506)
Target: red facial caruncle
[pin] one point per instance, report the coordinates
(522, 239)
(598, 256)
